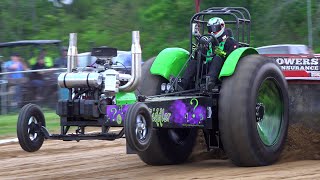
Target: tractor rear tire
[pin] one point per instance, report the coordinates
(168, 146)
(253, 112)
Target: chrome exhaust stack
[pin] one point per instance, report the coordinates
(136, 64)
(72, 52)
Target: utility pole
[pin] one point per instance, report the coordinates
(309, 23)
(197, 5)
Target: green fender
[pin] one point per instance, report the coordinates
(169, 62)
(231, 62)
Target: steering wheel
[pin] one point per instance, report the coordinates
(208, 38)
(205, 40)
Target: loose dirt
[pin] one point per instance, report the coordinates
(302, 144)
(108, 160)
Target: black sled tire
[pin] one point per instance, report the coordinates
(253, 112)
(168, 146)
(29, 125)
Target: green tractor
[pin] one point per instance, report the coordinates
(245, 114)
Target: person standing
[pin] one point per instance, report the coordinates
(47, 59)
(15, 79)
(14, 64)
(61, 62)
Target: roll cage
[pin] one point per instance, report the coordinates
(238, 17)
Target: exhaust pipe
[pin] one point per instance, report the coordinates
(72, 52)
(136, 64)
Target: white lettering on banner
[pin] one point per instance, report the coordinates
(306, 61)
(297, 61)
(307, 68)
(314, 61)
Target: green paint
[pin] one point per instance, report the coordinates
(123, 98)
(169, 62)
(213, 20)
(269, 127)
(232, 60)
(209, 54)
(159, 116)
(196, 102)
(210, 51)
(119, 119)
(221, 44)
(195, 106)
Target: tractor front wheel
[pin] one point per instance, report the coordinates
(138, 127)
(30, 121)
(167, 146)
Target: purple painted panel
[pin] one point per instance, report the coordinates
(187, 113)
(116, 113)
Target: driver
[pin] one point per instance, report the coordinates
(215, 56)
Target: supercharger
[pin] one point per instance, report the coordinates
(106, 79)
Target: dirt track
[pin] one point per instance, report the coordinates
(108, 160)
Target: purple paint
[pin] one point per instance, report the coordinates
(178, 112)
(185, 113)
(113, 111)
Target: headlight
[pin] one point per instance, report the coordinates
(168, 86)
(163, 86)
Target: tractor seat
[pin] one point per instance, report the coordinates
(229, 32)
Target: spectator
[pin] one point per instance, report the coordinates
(15, 64)
(61, 62)
(37, 78)
(47, 60)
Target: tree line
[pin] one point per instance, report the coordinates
(162, 23)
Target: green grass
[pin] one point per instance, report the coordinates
(8, 124)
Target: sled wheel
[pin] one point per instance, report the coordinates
(253, 112)
(29, 125)
(167, 146)
(138, 126)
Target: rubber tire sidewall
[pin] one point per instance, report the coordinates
(130, 126)
(22, 127)
(162, 150)
(237, 121)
